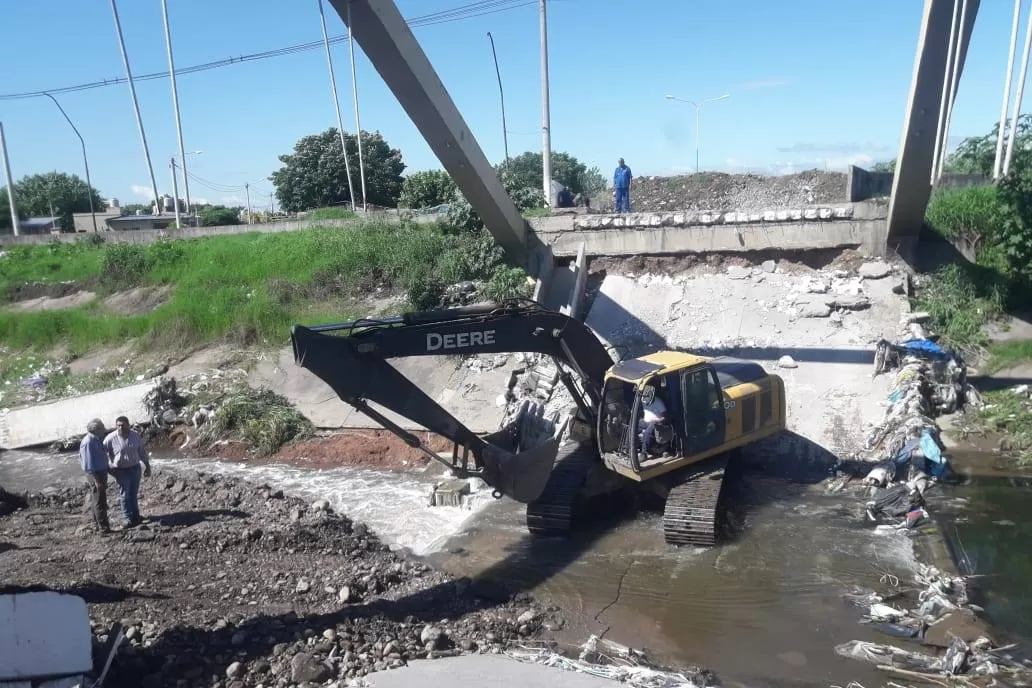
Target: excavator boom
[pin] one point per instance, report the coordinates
(352, 357)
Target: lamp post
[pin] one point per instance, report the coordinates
(505, 134)
(85, 162)
(698, 106)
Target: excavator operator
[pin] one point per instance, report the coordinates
(654, 414)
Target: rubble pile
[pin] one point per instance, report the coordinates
(719, 191)
(934, 615)
(233, 584)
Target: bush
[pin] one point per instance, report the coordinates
(962, 300)
(426, 189)
(970, 218)
(507, 283)
(124, 265)
(261, 418)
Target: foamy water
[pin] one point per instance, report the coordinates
(395, 505)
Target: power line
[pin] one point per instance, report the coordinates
(468, 11)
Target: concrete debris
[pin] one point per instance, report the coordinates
(214, 598)
(875, 270)
(787, 361)
(610, 660)
(768, 266)
(813, 309)
(739, 272)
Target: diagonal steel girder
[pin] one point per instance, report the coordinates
(911, 185)
(386, 39)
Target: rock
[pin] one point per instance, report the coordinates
(918, 317)
(768, 266)
(430, 635)
(329, 634)
(306, 668)
(234, 670)
(787, 362)
(302, 586)
(963, 623)
(851, 303)
(344, 594)
(238, 639)
(527, 617)
(814, 309)
(321, 505)
(737, 272)
(875, 270)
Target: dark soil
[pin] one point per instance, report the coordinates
(230, 584)
(52, 290)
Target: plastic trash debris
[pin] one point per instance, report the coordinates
(884, 612)
(897, 630)
(885, 655)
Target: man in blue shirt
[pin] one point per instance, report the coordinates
(622, 188)
(94, 460)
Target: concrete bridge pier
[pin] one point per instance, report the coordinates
(912, 186)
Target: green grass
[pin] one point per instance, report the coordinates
(247, 287)
(1004, 355)
(1010, 415)
(537, 212)
(336, 213)
(962, 300)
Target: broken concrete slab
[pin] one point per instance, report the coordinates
(450, 493)
(45, 423)
(477, 671)
(44, 634)
(875, 270)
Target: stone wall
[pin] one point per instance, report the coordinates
(862, 184)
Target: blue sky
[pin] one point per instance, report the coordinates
(813, 83)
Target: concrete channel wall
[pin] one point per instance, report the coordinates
(853, 225)
(862, 184)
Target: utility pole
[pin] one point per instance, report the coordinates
(1012, 53)
(10, 182)
(136, 106)
(1018, 98)
(175, 189)
(175, 107)
(501, 94)
(698, 107)
(546, 145)
(336, 104)
(247, 192)
(85, 161)
(358, 122)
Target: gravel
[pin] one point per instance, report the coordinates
(232, 584)
(718, 191)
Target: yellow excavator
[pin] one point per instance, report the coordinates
(668, 420)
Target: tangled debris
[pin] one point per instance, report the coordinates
(233, 584)
(606, 659)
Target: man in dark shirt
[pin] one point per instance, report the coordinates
(94, 460)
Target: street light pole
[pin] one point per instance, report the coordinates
(698, 107)
(501, 94)
(175, 190)
(85, 162)
(175, 106)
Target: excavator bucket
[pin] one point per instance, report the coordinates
(523, 474)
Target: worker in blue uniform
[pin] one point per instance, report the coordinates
(622, 187)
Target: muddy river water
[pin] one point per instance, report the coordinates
(765, 609)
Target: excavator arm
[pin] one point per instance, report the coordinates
(352, 358)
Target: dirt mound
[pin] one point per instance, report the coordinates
(718, 191)
(231, 580)
(49, 303)
(366, 448)
(35, 290)
(138, 301)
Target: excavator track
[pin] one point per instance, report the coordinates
(553, 512)
(692, 506)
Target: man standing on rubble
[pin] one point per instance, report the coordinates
(125, 452)
(94, 461)
(622, 187)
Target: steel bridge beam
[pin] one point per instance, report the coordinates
(911, 186)
(386, 39)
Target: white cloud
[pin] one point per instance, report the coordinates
(231, 200)
(143, 191)
(840, 148)
(201, 201)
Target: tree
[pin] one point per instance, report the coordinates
(5, 211)
(977, 154)
(56, 193)
(566, 169)
(144, 208)
(314, 175)
(884, 166)
(426, 189)
(216, 215)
